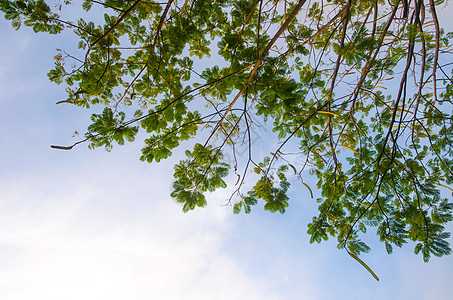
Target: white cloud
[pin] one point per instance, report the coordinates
(74, 240)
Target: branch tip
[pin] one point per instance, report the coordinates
(61, 147)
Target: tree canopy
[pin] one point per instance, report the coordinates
(358, 94)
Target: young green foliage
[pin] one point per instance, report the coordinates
(362, 90)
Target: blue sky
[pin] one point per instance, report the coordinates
(87, 224)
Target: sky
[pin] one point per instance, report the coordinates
(86, 224)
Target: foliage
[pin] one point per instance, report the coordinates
(361, 87)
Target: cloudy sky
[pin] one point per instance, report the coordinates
(87, 224)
